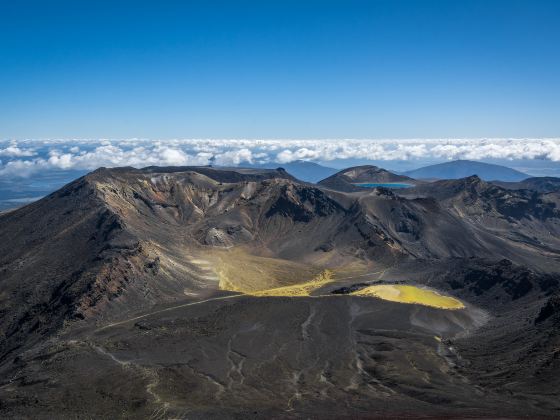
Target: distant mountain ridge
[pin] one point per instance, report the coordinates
(301, 169)
(543, 184)
(465, 168)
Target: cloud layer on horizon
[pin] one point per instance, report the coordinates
(26, 157)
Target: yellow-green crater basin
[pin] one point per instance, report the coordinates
(410, 294)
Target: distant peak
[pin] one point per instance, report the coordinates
(362, 169)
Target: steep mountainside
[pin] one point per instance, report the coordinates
(520, 215)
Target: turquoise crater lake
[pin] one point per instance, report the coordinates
(384, 185)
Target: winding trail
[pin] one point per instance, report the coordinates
(172, 308)
(364, 274)
(183, 305)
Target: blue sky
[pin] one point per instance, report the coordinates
(279, 69)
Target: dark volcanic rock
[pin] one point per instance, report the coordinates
(508, 280)
(550, 309)
(515, 282)
(115, 298)
(301, 204)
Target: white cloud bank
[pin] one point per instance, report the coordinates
(23, 158)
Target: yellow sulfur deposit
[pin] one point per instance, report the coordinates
(410, 294)
(297, 290)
